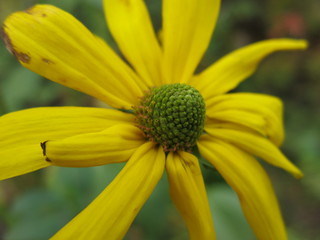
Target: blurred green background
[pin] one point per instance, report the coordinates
(36, 205)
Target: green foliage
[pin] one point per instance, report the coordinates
(16, 97)
(227, 214)
(36, 215)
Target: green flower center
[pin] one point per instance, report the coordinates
(172, 115)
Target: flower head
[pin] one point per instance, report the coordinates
(172, 115)
(170, 111)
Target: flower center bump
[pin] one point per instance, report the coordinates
(172, 115)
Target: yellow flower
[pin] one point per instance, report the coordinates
(165, 124)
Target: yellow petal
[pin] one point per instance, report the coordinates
(262, 113)
(52, 43)
(246, 176)
(189, 194)
(247, 119)
(114, 144)
(232, 69)
(257, 146)
(187, 29)
(110, 215)
(22, 132)
(131, 26)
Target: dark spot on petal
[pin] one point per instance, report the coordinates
(44, 150)
(47, 61)
(6, 40)
(32, 12)
(28, 11)
(43, 146)
(23, 57)
(126, 2)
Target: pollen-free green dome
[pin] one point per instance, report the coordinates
(172, 115)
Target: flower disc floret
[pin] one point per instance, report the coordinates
(172, 115)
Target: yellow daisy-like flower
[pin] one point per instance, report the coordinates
(169, 112)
